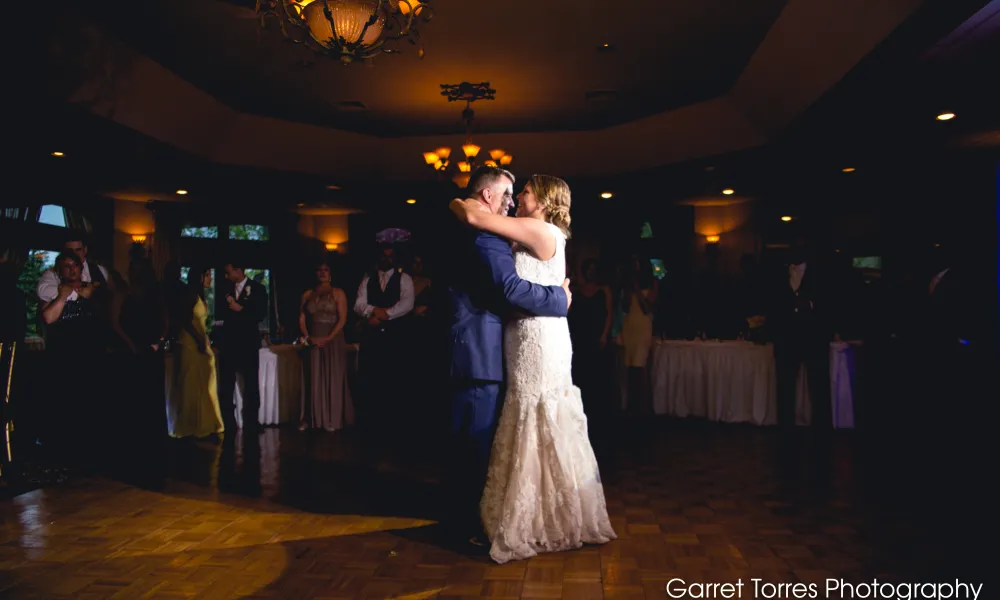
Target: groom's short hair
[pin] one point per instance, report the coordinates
(485, 177)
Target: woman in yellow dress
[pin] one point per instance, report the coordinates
(194, 391)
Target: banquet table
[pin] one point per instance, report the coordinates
(735, 382)
(280, 381)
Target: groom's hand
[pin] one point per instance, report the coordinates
(569, 294)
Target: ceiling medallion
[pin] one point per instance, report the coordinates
(462, 170)
(349, 30)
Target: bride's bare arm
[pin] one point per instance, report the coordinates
(533, 234)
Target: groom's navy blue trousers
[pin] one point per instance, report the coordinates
(475, 410)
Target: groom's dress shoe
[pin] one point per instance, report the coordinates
(479, 540)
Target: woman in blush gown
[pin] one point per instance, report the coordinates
(543, 491)
(326, 396)
(193, 390)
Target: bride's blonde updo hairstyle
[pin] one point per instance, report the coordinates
(553, 195)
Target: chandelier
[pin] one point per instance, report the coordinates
(349, 30)
(439, 159)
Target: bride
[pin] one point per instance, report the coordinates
(543, 492)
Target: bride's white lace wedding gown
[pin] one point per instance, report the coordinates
(543, 492)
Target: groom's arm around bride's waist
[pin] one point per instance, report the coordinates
(496, 257)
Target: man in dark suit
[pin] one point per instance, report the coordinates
(481, 287)
(800, 325)
(246, 307)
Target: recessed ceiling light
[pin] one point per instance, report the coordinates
(181, 192)
(605, 47)
(300, 204)
(606, 195)
(729, 191)
(786, 219)
(411, 201)
(58, 154)
(333, 187)
(947, 116)
(848, 169)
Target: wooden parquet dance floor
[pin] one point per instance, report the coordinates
(320, 516)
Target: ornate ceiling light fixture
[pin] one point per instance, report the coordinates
(349, 30)
(439, 159)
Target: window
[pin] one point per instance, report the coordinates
(253, 233)
(38, 262)
(867, 262)
(53, 215)
(201, 232)
(209, 297)
(647, 230)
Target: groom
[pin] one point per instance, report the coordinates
(482, 288)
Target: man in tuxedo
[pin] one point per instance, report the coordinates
(246, 307)
(800, 326)
(481, 287)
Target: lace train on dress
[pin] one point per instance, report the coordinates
(543, 492)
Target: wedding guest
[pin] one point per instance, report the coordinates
(326, 396)
(13, 303)
(421, 287)
(140, 317)
(590, 324)
(385, 299)
(74, 349)
(799, 322)
(93, 274)
(639, 297)
(240, 340)
(194, 393)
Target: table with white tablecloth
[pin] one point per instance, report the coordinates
(735, 382)
(280, 382)
(279, 378)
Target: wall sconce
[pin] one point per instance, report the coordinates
(139, 238)
(712, 239)
(331, 247)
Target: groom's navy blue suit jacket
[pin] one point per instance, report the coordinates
(482, 288)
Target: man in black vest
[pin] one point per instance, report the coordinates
(239, 353)
(385, 299)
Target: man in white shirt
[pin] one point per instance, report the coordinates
(94, 274)
(391, 300)
(385, 297)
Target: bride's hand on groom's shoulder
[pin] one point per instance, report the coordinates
(463, 208)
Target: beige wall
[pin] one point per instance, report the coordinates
(733, 223)
(131, 218)
(329, 229)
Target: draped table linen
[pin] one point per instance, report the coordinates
(735, 382)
